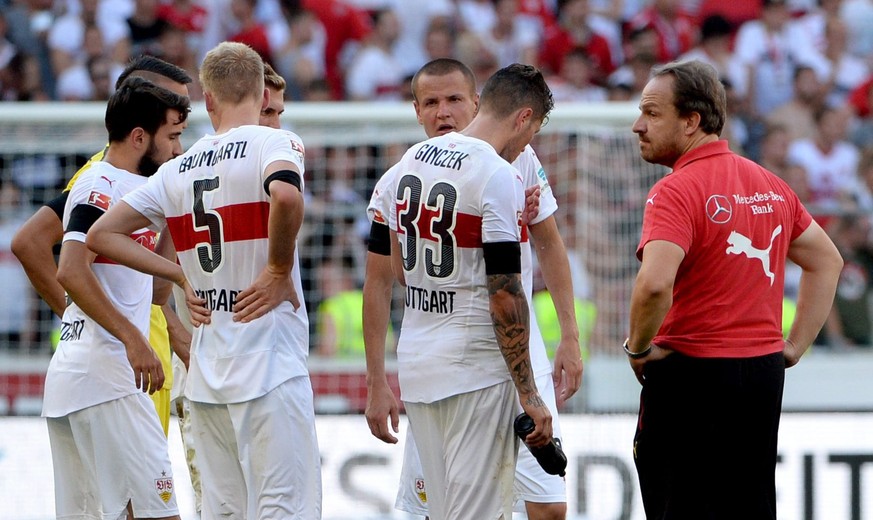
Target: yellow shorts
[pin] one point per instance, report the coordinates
(160, 342)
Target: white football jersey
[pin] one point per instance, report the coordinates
(452, 194)
(533, 174)
(91, 366)
(214, 202)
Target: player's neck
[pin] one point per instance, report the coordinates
(490, 130)
(122, 157)
(228, 117)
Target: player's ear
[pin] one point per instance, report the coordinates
(692, 123)
(523, 117)
(265, 99)
(138, 137)
(209, 100)
(417, 111)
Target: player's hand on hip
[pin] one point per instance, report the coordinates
(792, 353)
(567, 374)
(638, 365)
(268, 291)
(148, 374)
(536, 408)
(382, 405)
(197, 310)
(531, 204)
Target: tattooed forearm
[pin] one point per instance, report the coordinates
(511, 316)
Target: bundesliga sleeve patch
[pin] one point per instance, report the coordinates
(100, 200)
(298, 148)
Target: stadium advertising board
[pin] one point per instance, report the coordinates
(825, 470)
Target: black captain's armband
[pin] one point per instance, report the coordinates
(57, 204)
(83, 217)
(380, 239)
(289, 176)
(502, 257)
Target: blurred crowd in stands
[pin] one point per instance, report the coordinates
(799, 75)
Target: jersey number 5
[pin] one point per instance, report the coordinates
(209, 256)
(435, 221)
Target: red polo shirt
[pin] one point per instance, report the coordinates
(735, 221)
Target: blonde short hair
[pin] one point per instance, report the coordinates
(232, 72)
(272, 79)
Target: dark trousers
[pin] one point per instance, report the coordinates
(705, 446)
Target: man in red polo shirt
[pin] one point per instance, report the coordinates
(705, 320)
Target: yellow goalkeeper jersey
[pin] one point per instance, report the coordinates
(159, 339)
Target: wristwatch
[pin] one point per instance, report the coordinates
(636, 355)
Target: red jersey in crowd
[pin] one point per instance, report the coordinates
(675, 36)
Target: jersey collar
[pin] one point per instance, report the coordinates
(701, 152)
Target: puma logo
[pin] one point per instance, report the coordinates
(741, 244)
(107, 179)
(651, 200)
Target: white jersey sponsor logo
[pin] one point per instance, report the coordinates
(739, 244)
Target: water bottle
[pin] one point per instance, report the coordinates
(551, 457)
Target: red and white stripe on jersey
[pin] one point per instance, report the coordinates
(245, 221)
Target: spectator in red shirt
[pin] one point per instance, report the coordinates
(184, 14)
(344, 24)
(676, 29)
(736, 13)
(251, 32)
(574, 32)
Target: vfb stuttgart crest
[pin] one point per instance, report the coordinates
(420, 491)
(164, 487)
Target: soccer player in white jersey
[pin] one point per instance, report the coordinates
(455, 242)
(445, 101)
(108, 447)
(234, 204)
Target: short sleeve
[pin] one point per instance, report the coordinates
(802, 218)
(150, 199)
(666, 217)
(380, 201)
(533, 173)
(282, 145)
(502, 200)
(94, 195)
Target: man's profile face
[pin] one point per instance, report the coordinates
(164, 145)
(270, 114)
(659, 126)
(445, 103)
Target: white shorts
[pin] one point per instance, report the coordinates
(468, 452)
(108, 455)
(259, 458)
(532, 483)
